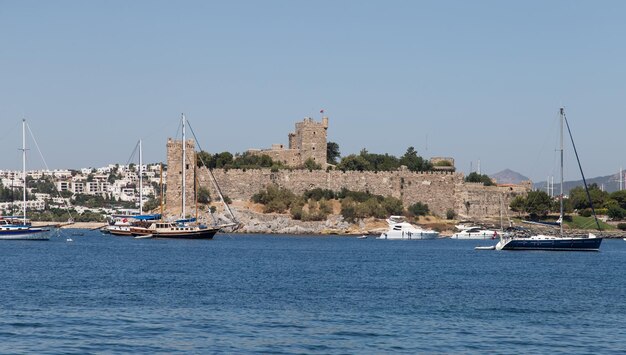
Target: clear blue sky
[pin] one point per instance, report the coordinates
(483, 80)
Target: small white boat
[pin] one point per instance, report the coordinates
(69, 240)
(399, 229)
(145, 236)
(487, 247)
(361, 237)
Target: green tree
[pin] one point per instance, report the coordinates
(253, 161)
(205, 159)
(418, 209)
(152, 204)
(204, 196)
(538, 203)
(354, 162)
(619, 197)
(616, 213)
(332, 153)
(578, 196)
(518, 204)
(414, 162)
(476, 177)
(223, 160)
(380, 162)
(311, 164)
(392, 206)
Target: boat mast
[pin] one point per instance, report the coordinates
(140, 179)
(183, 162)
(24, 168)
(562, 114)
(161, 186)
(582, 174)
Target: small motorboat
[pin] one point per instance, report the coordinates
(487, 247)
(361, 237)
(145, 236)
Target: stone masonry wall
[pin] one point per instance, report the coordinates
(175, 173)
(440, 190)
(435, 189)
(474, 200)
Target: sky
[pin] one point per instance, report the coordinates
(479, 81)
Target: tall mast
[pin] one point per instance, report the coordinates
(24, 167)
(562, 114)
(140, 179)
(161, 186)
(183, 162)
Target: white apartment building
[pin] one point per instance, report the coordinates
(35, 205)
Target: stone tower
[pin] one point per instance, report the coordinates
(308, 141)
(174, 179)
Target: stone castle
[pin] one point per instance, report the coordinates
(441, 190)
(307, 142)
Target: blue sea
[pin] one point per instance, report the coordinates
(240, 294)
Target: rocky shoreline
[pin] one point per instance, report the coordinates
(261, 223)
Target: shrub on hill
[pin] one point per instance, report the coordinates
(418, 209)
(315, 205)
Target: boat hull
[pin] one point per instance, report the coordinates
(207, 233)
(175, 233)
(561, 244)
(119, 231)
(397, 235)
(24, 234)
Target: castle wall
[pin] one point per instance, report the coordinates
(474, 200)
(440, 190)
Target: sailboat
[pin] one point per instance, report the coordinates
(559, 242)
(120, 224)
(16, 228)
(183, 228)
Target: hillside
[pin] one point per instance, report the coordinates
(609, 183)
(508, 176)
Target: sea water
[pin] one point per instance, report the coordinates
(314, 294)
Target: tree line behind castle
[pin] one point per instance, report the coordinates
(364, 161)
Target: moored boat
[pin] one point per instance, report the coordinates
(399, 229)
(174, 230)
(19, 228)
(558, 242)
(477, 233)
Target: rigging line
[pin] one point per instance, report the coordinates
(581, 169)
(217, 187)
(65, 202)
(132, 155)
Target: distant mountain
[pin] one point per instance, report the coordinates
(508, 176)
(609, 183)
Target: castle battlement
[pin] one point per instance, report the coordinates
(308, 141)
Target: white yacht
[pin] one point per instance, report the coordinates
(399, 229)
(477, 233)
